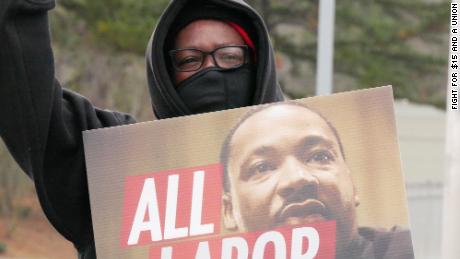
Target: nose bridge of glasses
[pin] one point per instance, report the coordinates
(209, 59)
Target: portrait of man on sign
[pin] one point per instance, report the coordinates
(285, 164)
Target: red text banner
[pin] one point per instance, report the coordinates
(299, 242)
(172, 205)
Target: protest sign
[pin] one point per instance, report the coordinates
(312, 178)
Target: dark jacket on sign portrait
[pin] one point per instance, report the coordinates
(42, 122)
(373, 243)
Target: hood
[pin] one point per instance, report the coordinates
(165, 100)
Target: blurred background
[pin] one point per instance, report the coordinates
(99, 52)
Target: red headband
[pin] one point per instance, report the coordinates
(243, 34)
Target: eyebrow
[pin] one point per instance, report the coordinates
(306, 143)
(229, 44)
(215, 47)
(312, 141)
(263, 150)
(260, 151)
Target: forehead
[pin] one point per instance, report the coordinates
(207, 33)
(273, 125)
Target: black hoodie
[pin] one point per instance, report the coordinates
(42, 123)
(165, 100)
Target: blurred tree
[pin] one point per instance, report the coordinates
(378, 42)
(125, 24)
(12, 183)
(403, 43)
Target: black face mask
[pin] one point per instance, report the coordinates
(214, 89)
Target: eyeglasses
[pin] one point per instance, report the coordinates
(227, 57)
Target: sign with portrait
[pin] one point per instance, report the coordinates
(312, 178)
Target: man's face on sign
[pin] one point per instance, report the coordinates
(286, 167)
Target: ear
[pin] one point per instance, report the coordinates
(229, 218)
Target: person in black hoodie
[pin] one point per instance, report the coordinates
(41, 122)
